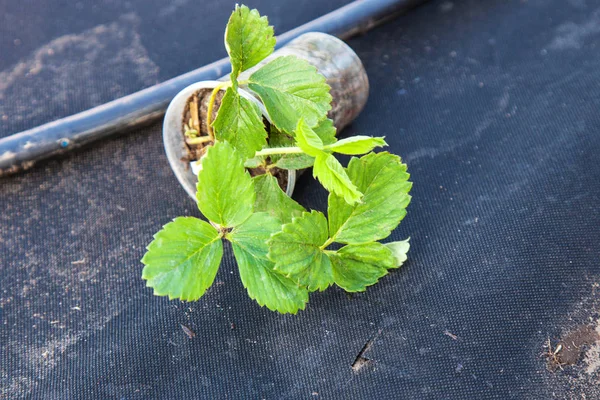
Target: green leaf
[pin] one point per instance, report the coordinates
(290, 89)
(270, 198)
(384, 181)
(225, 192)
(297, 253)
(287, 161)
(254, 162)
(266, 286)
(333, 177)
(399, 250)
(357, 266)
(248, 39)
(311, 141)
(357, 145)
(239, 122)
(308, 140)
(326, 131)
(279, 139)
(183, 259)
(295, 161)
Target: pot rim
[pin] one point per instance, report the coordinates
(175, 113)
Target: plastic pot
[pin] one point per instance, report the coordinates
(333, 58)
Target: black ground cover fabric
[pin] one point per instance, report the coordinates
(493, 105)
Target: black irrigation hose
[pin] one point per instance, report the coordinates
(21, 150)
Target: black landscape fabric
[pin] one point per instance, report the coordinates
(494, 105)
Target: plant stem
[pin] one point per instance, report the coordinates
(211, 105)
(279, 150)
(199, 140)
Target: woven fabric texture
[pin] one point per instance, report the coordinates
(494, 106)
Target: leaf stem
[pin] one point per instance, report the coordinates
(211, 105)
(278, 150)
